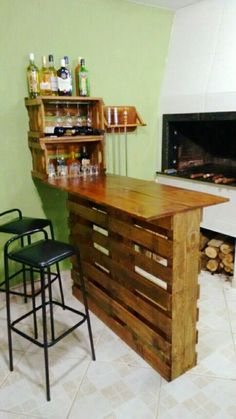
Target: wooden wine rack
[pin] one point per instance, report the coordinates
(42, 111)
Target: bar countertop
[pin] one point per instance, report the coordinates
(146, 200)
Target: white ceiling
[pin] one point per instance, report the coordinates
(167, 4)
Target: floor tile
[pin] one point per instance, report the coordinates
(8, 415)
(111, 348)
(192, 396)
(216, 354)
(23, 391)
(213, 314)
(231, 305)
(115, 390)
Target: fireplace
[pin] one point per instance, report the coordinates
(200, 146)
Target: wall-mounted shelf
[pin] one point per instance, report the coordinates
(121, 118)
(47, 112)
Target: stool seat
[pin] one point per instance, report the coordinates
(18, 226)
(24, 224)
(42, 253)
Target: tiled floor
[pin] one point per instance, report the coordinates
(120, 385)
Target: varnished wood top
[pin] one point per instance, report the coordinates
(143, 199)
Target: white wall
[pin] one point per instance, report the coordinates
(200, 76)
(201, 67)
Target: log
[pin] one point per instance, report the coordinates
(203, 241)
(226, 248)
(211, 252)
(215, 243)
(228, 259)
(212, 265)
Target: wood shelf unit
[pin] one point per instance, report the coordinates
(43, 112)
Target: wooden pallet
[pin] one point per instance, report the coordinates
(141, 279)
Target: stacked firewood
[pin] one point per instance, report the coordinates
(217, 254)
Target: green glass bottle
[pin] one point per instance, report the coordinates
(84, 84)
(32, 77)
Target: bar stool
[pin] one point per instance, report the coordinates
(39, 256)
(21, 225)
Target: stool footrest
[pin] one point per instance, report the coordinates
(53, 275)
(58, 338)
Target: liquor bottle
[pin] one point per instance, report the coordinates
(44, 79)
(53, 76)
(32, 77)
(84, 85)
(64, 80)
(77, 70)
(67, 65)
(73, 163)
(84, 157)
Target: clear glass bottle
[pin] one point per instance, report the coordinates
(64, 80)
(32, 77)
(45, 79)
(53, 76)
(84, 83)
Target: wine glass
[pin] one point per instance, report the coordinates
(68, 118)
(58, 117)
(78, 119)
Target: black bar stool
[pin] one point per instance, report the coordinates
(39, 256)
(21, 225)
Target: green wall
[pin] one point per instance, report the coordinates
(125, 47)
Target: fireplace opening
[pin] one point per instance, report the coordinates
(200, 146)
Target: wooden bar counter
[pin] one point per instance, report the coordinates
(139, 244)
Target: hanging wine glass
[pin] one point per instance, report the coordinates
(88, 119)
(58, 117)
(68, 118)
(78, 119)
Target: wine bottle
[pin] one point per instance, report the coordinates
(45, 79)
(67, 65)
(64, 80)
(53, 76)
(84, 84)
(77, 70)
(32, 77)
(84, 157)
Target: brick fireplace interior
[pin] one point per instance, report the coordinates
(200, 146)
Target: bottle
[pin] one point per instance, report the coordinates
(73, 163)
(77, 70)
(32, 77)
(84, 85)
(64, 80)
(67, 65)
(53, 76)
(44, 79)
(84, 157)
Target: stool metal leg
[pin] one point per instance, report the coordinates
(86, 306)
(33, 304)
(33, 298)
(45, 339)
(58, 269)
(6, 268)
(51, 304)
(24, 277)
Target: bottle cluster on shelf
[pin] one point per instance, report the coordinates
(49, 81)
(72, 165)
